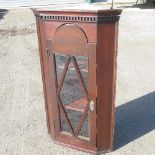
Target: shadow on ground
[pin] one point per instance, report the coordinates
(134, 119)
(3, 12)
(147, 5)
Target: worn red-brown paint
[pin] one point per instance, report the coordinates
(80, 33)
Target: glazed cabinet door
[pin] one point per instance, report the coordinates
(72, 73)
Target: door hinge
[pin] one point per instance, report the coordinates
(48, 53)
(54, 124)
(96, 125)
(48, 48)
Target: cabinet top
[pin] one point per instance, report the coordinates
(85, 8)
(85, 13)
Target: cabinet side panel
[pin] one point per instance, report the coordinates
(42, 71)
(46, 80)
(106, 76)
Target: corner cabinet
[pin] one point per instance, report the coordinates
(78, 50)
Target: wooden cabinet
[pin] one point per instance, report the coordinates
(78, 50)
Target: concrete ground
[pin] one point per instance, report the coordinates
(22, 116)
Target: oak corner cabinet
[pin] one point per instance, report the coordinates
(78, 50)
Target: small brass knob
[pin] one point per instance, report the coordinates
(91, 105)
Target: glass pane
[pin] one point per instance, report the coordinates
(72, 93)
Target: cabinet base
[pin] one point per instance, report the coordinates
(81, 147)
